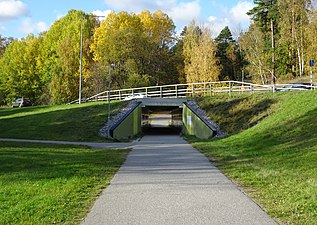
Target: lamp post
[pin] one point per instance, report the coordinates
(81, 58)
(111, 66)
(81, 61)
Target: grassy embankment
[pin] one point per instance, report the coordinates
(53, 184)
(62, 122)
(275, 160)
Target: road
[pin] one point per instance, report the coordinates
(166, 181)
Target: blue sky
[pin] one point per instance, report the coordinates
(18, 18)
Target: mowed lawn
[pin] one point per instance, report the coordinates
(275, 161)
(52, 184)
(61, 122)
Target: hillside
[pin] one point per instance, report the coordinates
(275, 161)
(59, 122)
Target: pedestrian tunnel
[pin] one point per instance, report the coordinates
(162, 117)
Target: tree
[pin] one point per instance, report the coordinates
(311, 37)
(178, 57)
(201, 63)
(265, 14)
(228, 54)
(293, 21)
(4, 42)
(18, 70)
(140, 40)
(60, 56)
(159, 27)
(252, 44)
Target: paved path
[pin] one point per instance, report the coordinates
(166, 181)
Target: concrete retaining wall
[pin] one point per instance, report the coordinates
(194, 125)
(129, 126)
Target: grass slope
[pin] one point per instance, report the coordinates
(276, 160)
(63, 122)
(52, 184)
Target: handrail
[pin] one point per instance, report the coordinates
(184, 90)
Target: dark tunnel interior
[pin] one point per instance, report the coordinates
(161, 120)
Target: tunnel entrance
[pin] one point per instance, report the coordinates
(161, 120)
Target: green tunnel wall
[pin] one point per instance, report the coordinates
(130, 125)
(193, 125)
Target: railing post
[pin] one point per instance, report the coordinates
(176, 91)
(119, 95)
(161, 92)
(193, 90)
(210, 89)
(230, 88)
(146, 91)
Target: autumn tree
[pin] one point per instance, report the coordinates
(4, 42)
(139, 47)
(60, 56)
(201, 63)
(311, 37)
(293, 20)
(265, 15)
(19, 76)
(252, 44)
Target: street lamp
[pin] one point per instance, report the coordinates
(111, 67)
(81, 58)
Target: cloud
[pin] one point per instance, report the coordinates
(28, 26)
(12, 9)
(101, 14)
(217, 24)
(239, 12)
(235, 18)
(185, 11)
(132, 5)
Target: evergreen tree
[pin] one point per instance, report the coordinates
(266, 15)
(228, 54)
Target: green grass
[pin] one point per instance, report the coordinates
(63, 122)
(275, 161)
(52, 184)
(238, 113)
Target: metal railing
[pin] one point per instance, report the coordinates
(189, 90)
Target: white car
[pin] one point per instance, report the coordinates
(134, 96)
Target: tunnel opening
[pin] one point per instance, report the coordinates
(162, 120)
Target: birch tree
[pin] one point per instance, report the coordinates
(292, 25)
(201, 63)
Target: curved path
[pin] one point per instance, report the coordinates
(166, 181)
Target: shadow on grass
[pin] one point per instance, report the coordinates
(28, 161)
(283, 144)
(52, 184)
(72, 123)
(238, 114)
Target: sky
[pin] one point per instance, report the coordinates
(18, 18)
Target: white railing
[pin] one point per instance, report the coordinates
(188, 90)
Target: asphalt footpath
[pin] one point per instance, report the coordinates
(166, 181)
